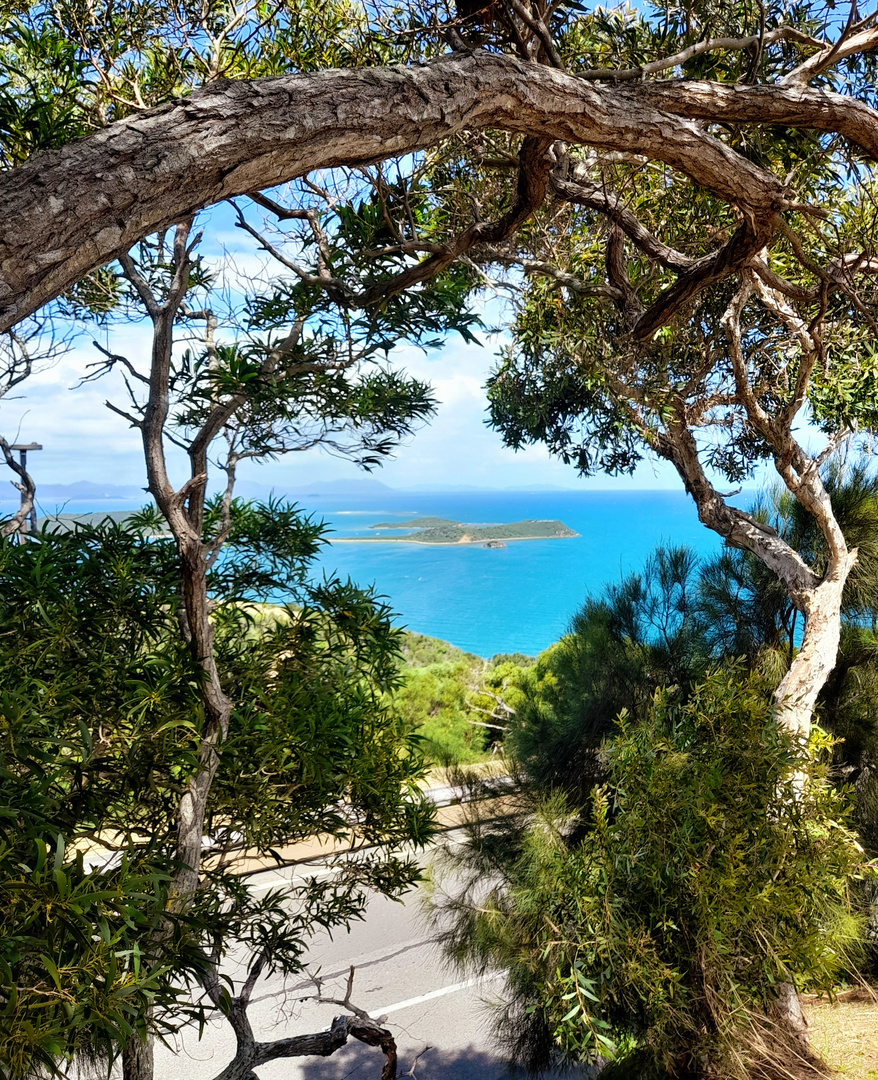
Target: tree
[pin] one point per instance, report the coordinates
(603, 108)
(717, 313)
(619, 119)
(641, 634)
(63, 221)
(103, 717)
(632, 924)
(572, 893)
(16, 366)
(279, 388)
(707, 390)
(644, 649)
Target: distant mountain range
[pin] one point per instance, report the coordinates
(82, 489)
(358, 485)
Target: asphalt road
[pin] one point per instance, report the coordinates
(438, 1017)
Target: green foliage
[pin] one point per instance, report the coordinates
(714, 867)
(850, 389)
(644, 633)
(71, 66)
(435, 698)
(318, 678)
(848, 708)
(665, 625)
(418, 650)
(449, 695)
(627, 893)
(90, 713)
(288, 378)
(100, 718)
(87, 622)
(78, 967)
(42, 79)
(572, 378)
(746, 608)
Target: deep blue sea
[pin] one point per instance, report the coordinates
(514, 599)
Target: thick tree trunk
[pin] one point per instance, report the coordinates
(796, 694)
(137, 1059)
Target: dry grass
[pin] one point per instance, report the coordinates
(845, 1032)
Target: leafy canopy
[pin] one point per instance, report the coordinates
(101, 717)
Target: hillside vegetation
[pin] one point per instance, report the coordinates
(451, 696)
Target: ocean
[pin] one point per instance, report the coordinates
(514, 599)
(519, 598)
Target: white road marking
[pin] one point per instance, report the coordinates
(279, 882)
(435, 994)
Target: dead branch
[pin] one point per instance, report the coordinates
(17, 524)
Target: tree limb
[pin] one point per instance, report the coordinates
(849, 44)
(27, 488)
(62, 219)
(727, 44)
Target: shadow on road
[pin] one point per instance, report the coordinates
(359, 1062)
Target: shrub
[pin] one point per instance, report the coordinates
(715, 868)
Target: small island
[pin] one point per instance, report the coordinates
(433, 530)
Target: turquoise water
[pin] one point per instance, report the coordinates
(514, 599)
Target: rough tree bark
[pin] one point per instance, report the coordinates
(70, 210)
(138, 1060)
(250, 1053)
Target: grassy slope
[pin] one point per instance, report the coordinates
(845, 1032)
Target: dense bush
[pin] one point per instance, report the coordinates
(99, 721)
(452, 698)
(640, 634)
(715, 867)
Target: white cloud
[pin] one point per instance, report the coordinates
(83, 440)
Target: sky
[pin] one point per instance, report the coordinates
(83, 440)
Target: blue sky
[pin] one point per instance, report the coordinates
(83, 440)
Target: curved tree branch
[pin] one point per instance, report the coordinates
(727, 44)
(737, 103)
(849, 44)
(25, 485)
(70, 210)
(605, 202)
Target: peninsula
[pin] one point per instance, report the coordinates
(433, 530)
